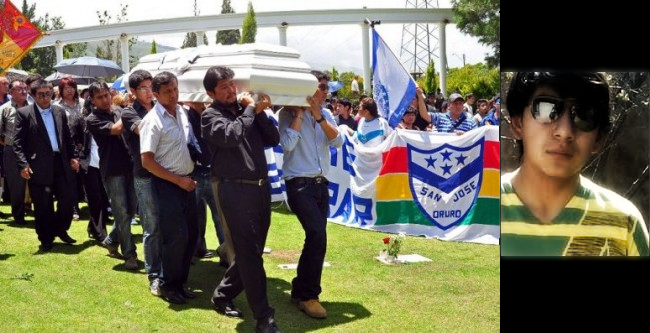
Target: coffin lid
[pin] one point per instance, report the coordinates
(273, 69)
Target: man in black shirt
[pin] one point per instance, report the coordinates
(345, 117)
(140, 84)
(116, 168)
(236, 133)
(204, 195)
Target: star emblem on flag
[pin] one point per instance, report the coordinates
(446, 192)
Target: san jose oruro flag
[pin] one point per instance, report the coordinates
(17, 35)
(393, 86)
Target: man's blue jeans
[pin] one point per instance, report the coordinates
(310, 202)
(151, 238)
(205, 196)
(123, 202)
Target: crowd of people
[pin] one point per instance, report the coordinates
(122, 152)
(427, 112)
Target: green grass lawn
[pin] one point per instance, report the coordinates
(79, 288)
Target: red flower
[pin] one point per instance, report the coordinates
(386, 240)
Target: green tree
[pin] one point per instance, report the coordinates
(345, 78)
(249, 27)
(190, 40)
(429, 81)
(334, 75)
(228, 37)
(481, 19)
(480, 79)
(154, 48)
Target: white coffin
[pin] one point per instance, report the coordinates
(272, 69)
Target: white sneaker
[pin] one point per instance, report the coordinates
(155, 288)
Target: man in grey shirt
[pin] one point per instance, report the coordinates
(18, 90)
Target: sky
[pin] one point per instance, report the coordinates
(338, 46)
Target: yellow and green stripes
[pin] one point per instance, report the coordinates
(595, 222)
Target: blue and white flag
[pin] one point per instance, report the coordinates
(394, 88)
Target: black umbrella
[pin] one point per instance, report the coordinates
(89, 67)
(56, 77)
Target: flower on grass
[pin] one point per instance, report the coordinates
(394, 243)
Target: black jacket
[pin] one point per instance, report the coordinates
(114, 157)
(33, 148)
(131, 118)
(237, 140)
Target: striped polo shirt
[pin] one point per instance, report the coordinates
(595, 222)
(443, 123)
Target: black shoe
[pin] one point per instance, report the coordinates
(267, 325)
(67, 239)
(204, 254)
(21, 222)
(223, 262)
(173, 296)
(187, 294)
(45, 247)
(227, 308)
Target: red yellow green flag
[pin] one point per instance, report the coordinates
(17, 35)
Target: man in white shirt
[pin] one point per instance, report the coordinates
(165, 133)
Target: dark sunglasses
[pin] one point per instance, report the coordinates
(548, 109)
(46, 94)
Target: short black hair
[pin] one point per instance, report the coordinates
(39, 83)
(161, 79)
(96, 86)
(370, 105)
(345, 102)
(587, 87)
(215, 74)
(31, 78)
(137, 77)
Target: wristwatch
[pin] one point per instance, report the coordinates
(320, 120)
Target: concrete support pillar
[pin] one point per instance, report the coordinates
(443, 57)
(124, 46)
(365, 46)
(282, 29)
(199, 37)
(59, 51)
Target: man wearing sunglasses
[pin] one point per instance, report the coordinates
(45, 158)
(547, 208)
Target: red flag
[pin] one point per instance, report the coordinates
(17, 35)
